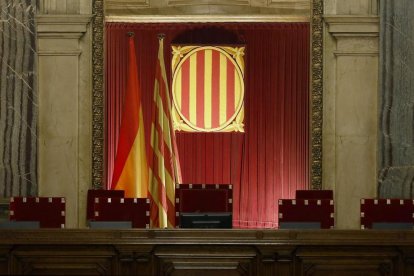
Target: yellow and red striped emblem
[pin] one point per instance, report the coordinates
(208, 88)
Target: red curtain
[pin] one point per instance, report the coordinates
(267, 162)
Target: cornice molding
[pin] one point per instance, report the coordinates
(60, 53)
(340, 25)
(205, 18)
(120, 5)
(356, 53)
(62, 26)
(218, 7)
(289, 4)
(208, 2)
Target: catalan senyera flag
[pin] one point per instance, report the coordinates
(164, 161)
(208, 88)
(131, 167)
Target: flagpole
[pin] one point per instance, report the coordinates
(177, 167)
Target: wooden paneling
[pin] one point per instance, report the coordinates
(56, 260)
(205, 260)
(347, 261)
(211, 252)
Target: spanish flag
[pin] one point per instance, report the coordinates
(131, 168)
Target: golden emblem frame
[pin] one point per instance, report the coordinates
(236, 56)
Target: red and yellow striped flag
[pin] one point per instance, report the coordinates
(131, 168)
(164, 162)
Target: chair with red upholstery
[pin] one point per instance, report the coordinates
(92, 194)
(203, 205)
(49, 212)
(306, 213)
(135, 211)
(387, 213)
(314, 194)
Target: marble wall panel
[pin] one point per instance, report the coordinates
(396, 141)
(18, 98)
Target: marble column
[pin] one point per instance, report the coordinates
(396, 101)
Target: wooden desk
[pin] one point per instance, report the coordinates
(206, 252)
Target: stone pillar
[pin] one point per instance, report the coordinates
(64, 84)
(350, 113)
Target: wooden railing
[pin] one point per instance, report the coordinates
(206, 252)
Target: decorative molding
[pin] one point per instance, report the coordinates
(163, 239)
(283, 4)
(356, 53)
(352, 25)
(129, 4)
(61, 26)
(208, 2)
(316, 99)
(59, 53)
(205, 18)
(53, 19)
(98, 94)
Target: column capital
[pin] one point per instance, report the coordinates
(62, 26)
(346, 25)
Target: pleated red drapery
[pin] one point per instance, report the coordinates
(267, 162)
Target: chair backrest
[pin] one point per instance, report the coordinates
(48, 211)
(307, 210)
(203, 198)
(314, 194)
(92, 194)
(136, 210)
(386, 211)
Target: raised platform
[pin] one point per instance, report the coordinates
(206, 252)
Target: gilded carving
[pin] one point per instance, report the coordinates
(316, 90)
(98, 94)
